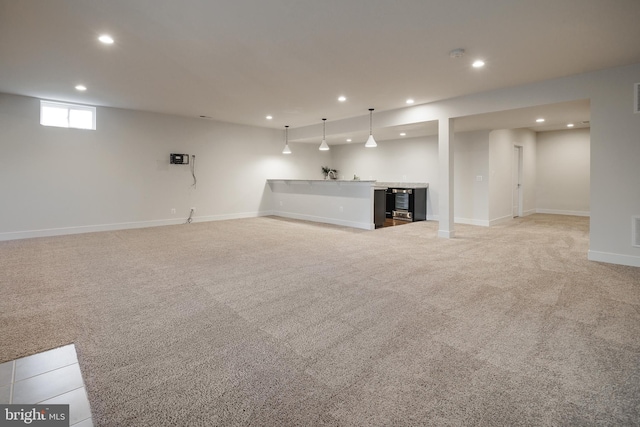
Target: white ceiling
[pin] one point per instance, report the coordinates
(556, 116)
(240, 60)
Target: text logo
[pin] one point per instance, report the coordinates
(34, 415)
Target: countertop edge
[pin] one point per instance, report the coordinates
(376, 184)
(356, 181)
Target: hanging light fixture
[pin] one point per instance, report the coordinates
(286, 150)
(371, 142)
(324, 146)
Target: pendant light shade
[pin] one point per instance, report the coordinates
(371, 143)
(324, 146)
(286, 150)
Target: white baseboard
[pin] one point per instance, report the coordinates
(500, 220)
(561, 212)
(480, 222)
(49, 232)
(630, 260)
(325, 220)
(529, 212)
(446, 234)
(469, 221)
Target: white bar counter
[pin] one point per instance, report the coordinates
(332, 201)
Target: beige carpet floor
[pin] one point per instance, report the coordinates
(274, 322)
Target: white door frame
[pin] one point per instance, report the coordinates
(516, 181)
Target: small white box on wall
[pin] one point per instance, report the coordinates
(635, 226)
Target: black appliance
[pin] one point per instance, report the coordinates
(407, 204)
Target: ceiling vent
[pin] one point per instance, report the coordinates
(636, 98)
(636, 232)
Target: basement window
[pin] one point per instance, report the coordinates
(64, 115)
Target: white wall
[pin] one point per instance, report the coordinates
(347, 203)
(471, 160)
(403, 160)
(615, 151)
(501, 143)
(416, 160)
(614, 175)
(48, 187)
(563, 183)
(57, 181)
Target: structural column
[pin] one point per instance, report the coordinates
(445, 184)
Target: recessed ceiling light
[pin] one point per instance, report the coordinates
(269, 117)
(478, 63)
(81, 88)
(410, 101)
(106, 39)
(540, 120)
(342, 98)
(570, 125)
(348, 139)
(403, 134)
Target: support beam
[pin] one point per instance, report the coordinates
(445, 186)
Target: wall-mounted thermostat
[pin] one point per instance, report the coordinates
(179, 159)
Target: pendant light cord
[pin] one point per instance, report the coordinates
(370, 121)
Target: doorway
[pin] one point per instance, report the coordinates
(516, 181)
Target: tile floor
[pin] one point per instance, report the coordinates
(51, 377)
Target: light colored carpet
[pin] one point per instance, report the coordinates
(274, 322)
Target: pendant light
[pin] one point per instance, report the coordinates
(286, 150)
(324, 146)
(371, 143)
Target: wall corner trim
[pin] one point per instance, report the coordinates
(446, 234)
(470, 221)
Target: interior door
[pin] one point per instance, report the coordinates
(517, 181)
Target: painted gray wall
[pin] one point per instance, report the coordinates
(563, 181)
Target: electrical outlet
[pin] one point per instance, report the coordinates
(173, 211)
(341, 209)
(479, 178)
